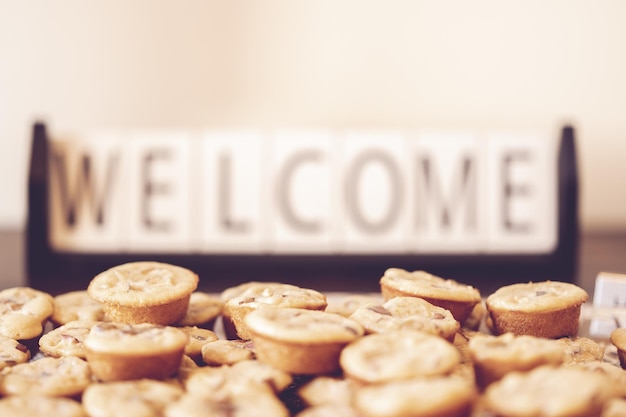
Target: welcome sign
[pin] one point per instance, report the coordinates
(331, 193)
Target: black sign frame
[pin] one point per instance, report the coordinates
(57, 272)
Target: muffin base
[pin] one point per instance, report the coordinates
(549, 324)
(107, 366)
(300, 359)
(163, 314)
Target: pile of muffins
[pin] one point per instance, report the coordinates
(141, 340)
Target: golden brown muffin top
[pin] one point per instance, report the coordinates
(424, 284)
(142, 284)
(537, 297)
(303, 326)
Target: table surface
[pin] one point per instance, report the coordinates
(598, 252)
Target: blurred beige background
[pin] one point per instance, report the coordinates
(326, 63)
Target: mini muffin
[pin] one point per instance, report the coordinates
(55, 377)
(198, 337)
(203, 310)
(66, 340)
(301, 341)
(324, 389)
(12, 352)
(76, 305)
(143, 397)
(144, 292)
(459, 299)
(397, 355)
(412, 313)
(40, 405)
(348, 304)
(581, 349)
(118, 351)
(273, 295)
(441, 396)
(547, 391)
(495, 356)
(546, 309)
(227, 352)
(618, 339)
(23, 312)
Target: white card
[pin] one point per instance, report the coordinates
(87, 194)
(522, 200)
(373, 190)
(448, 205)
(302, 170)
(610, 290)
(160, 209)
(233, 176)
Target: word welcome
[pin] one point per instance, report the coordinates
(299, 191)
